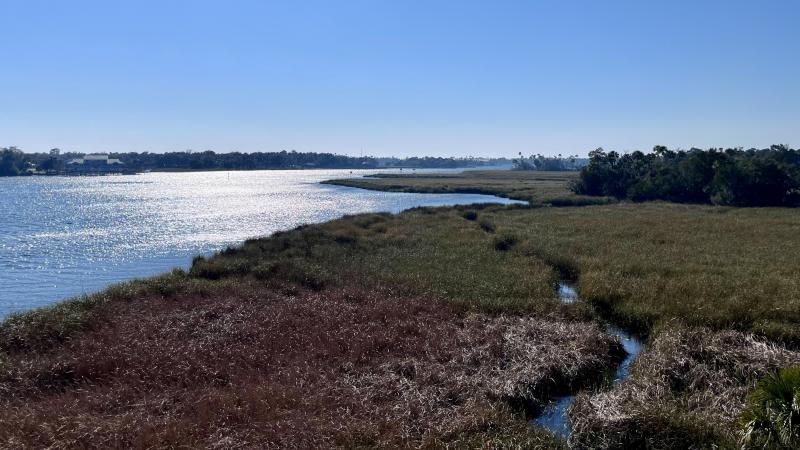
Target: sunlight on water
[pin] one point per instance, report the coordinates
(62, 236)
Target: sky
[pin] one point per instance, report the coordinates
(398, 78)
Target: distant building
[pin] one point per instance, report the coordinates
(30, 169)
(95, 164)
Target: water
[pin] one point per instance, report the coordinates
(554, 415)
(632, 346)
(567, 292)
(63, 236)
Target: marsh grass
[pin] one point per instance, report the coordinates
(538, 188)
(644, 264)
(487, 226)
(686, 391)
(252, 367)
(638, 265)
(50, 326)
(716, 289)
(429, 251)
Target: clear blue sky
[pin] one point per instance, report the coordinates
(398, 77)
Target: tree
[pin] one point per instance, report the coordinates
(767, 177)
(12, 161)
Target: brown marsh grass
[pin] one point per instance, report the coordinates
(252, 367)
(686, 391)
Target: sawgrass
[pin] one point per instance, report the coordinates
(638, 264)
(686, 390)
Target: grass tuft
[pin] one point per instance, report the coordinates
(487, 226)
(505, 242)
(470, 215)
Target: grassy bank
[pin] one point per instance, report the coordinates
(437, 326)
(538, 188)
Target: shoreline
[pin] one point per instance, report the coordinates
(170, 170)
(535, 187)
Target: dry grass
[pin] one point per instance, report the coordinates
(686, 391)
(259, 368)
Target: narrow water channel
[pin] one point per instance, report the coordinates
(554, 415)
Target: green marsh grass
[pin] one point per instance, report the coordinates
(638, 264)
(538, 188)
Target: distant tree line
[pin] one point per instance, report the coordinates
(209, 160)
(548, 163)
(12, 162)
(15, 162)
(733, 176)
(431, 162)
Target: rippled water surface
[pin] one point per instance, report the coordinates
(62, 236)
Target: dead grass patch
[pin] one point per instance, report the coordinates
(257, 368)
(685, 391)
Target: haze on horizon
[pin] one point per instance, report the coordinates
(399, 78)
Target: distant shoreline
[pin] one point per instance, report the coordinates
(176, 170)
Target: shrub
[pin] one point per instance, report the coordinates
(307, 276)
(368, 220)
(505, 242)
(487, 226)
(771, 418)
(219, 267)
(470, 215)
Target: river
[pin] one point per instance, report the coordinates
(64, 236)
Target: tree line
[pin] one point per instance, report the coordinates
(733, 176)
(548, 163)
(15, 162)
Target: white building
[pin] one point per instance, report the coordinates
(95, 164)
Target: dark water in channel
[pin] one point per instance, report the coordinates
(64, 236)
